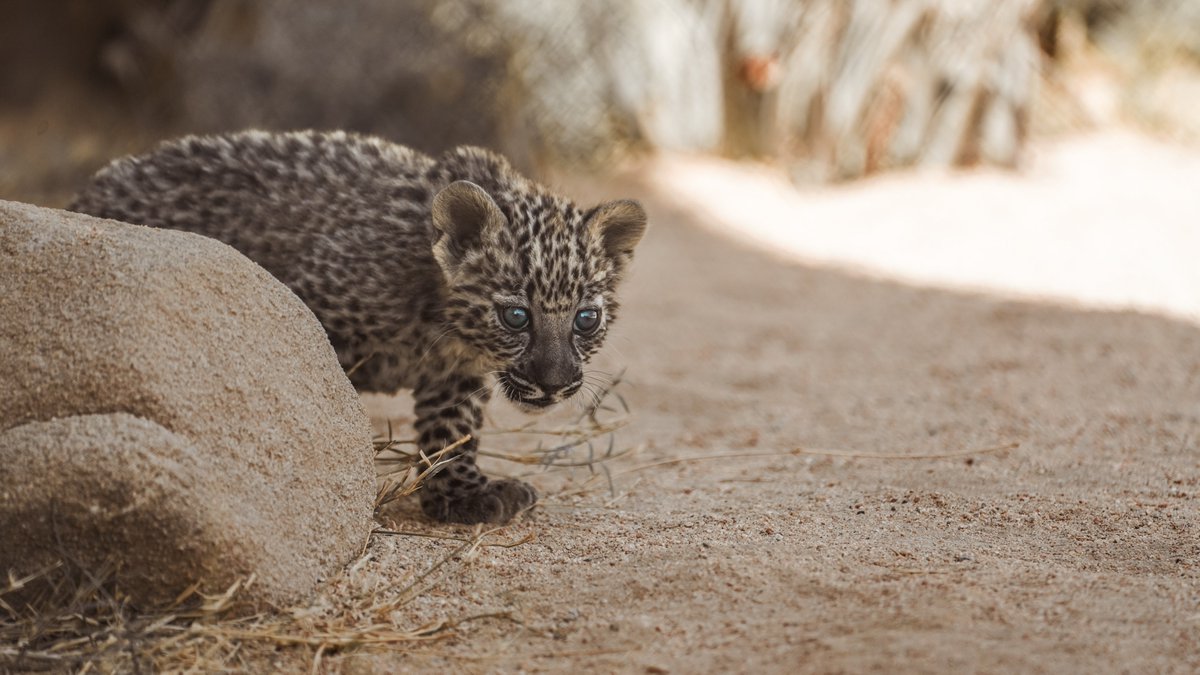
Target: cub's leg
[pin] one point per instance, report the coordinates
(447, 410)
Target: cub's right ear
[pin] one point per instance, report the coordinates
(464, 214)
(619, 225)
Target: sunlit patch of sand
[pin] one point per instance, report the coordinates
(1110, 220)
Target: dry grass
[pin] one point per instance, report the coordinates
(73, 619)
(587, 444)
(69, 618)
(82, 624)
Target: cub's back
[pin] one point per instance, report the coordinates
(270, 194)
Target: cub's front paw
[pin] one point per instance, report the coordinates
(496, 501)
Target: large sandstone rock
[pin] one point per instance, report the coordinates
(167, 404)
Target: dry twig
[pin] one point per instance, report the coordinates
(77, 620)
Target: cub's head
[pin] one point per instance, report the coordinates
(532, 282)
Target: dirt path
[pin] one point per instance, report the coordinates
(1107, 219)
(1076, 552)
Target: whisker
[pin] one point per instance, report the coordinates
(432, 344)
(460, 401)
(592, 392)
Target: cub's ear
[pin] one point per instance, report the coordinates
(619, 225)
(463, 213)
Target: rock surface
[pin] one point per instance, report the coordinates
(170, 405)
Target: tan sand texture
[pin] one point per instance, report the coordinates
(730, 541)
(169, 404)
(732, 544)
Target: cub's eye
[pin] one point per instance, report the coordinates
(515, 318)
(587, 321)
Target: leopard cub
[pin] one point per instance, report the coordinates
(450, 276)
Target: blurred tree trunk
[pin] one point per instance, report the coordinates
(835, 88)
(840, 88)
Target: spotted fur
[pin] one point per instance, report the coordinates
(409, 263)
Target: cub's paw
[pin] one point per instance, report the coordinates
(496, 501)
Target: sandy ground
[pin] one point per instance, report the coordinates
(1079, 551)
(762, 326)
(1106, 219)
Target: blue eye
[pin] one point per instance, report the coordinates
(515, 318)
(587, 321)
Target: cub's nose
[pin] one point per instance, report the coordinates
(554, 378)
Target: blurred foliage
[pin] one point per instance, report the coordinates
(833, 89)
(1144, 32)
(836, 89)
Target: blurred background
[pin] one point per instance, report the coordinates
(828, 89)
(813, 92)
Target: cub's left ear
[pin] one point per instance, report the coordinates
(619, 225)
